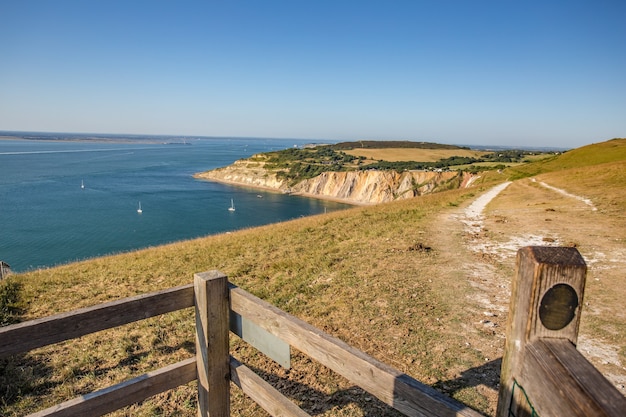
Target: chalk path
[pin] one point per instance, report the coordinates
(565, 193)
(474, 210)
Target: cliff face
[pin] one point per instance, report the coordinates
(245, 172)
(356, 187)
(372, 187)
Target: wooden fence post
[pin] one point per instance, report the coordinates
(213, 360)
(546, 298)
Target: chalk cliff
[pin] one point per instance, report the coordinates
(245, 172)
(355, 187)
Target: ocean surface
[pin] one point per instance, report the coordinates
(63, 201)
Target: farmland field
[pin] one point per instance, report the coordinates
(413, 154)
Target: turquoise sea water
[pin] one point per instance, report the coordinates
(47, 218)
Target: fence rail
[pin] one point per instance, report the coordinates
(391, 386)
(33, 334)
(211, 296)
(540, 355)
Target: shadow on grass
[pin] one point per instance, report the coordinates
(316, 402)
(18, 373)
(487, 374)
(22, 375)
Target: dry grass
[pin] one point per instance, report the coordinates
(353, 274)
(362, 275)
(529, 211)
(413, 154)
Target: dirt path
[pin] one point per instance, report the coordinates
(481, 240)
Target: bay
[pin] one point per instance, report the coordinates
(47, 218)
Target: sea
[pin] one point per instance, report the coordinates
(65, 198)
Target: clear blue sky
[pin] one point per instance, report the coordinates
(539, 73)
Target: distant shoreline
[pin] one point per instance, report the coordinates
(88, 140)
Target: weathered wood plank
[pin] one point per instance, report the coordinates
(546, 298)
(213, 365)
(562, 382)
(104, 401)
(33, 334)
(389, 385)
(261, 392)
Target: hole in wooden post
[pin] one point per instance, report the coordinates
(558, 307)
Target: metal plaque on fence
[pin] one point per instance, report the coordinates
(261, 339)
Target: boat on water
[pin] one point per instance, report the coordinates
(139, 210)
(232, 205)
(82, 184)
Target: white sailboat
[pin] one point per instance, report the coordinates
(232, 205)
(82, 184)
(139, 210)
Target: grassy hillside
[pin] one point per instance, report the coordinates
(381, 278)
(595, 154)
(353, 274)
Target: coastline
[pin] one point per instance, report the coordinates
(116, 180)
(199, 176)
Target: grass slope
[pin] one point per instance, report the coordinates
(352, 273)
(595, 154)
(363, 275)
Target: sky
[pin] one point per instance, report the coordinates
(485, 72)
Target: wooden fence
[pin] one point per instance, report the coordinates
(551, 377)
(542, 372)
(5, 270)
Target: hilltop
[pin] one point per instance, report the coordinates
(367, 172)
(383, 144)
(419, 283)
